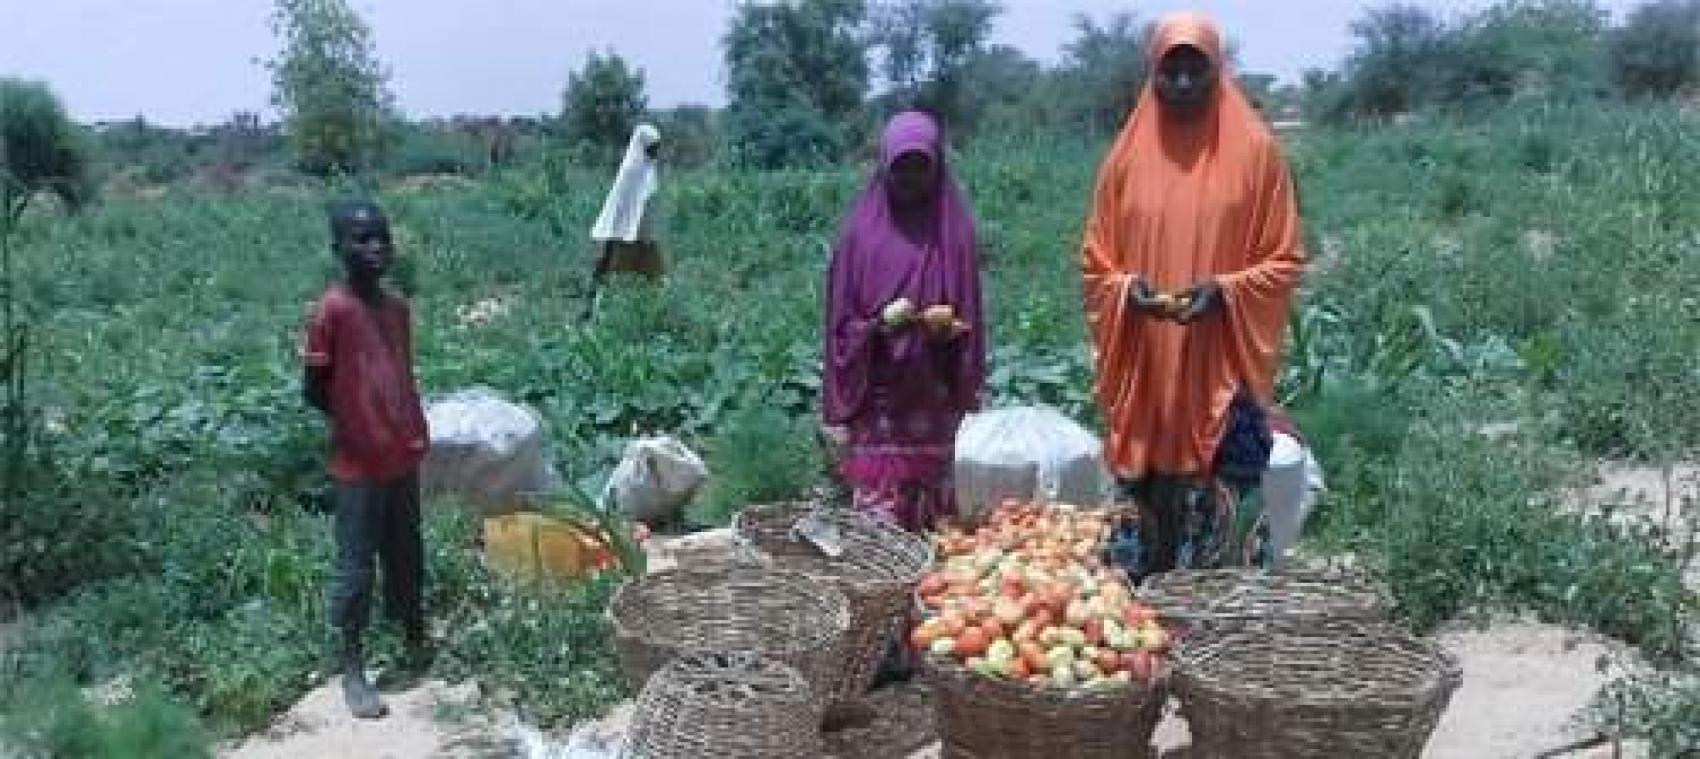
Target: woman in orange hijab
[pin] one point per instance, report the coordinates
(1191, 257)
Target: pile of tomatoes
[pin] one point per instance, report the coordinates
(1027, 597)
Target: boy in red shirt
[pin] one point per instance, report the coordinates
(359, 371)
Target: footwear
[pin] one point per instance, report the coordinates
(357, 691)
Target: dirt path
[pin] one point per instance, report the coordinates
(433, 720)
(1525, 684)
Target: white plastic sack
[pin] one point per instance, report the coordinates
(488, 451)
(1030, 453)
(655, 479)
(605, 739)
(1290, 486)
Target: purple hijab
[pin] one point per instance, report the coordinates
(928, 254)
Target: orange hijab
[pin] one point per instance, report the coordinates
(1180, 202)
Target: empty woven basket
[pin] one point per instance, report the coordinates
(1224, 598)
(721, 607)
(726, 705)
(1315, 689)
(877, 571)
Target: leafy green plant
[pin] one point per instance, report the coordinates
(760, 455)
(45, 716)
(544, 650)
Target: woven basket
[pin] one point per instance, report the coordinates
(733, 705)
(987, 718)
(1222, 599)
(1313, 689)
(878, 571)
(721, 607)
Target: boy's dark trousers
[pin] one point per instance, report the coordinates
(377, 526)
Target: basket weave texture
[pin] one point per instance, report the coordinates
(732, 705)
(1221, 599)
(987, 718)
(877, 572)
(1313, 689)
(722, 607)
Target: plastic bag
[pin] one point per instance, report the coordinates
(1030, 453)
(488, 451)
(604, 739)
(1290, 486)
(538, 545)
(655, 479)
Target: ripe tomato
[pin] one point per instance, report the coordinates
(971, 643)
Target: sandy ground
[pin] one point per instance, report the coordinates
(1639, 494)
(1525, 685)
(433, 720)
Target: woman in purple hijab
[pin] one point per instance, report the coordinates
(904, 340)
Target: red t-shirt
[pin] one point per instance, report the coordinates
(378, 431)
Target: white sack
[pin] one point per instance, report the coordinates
(655, 479)
(1028, 453)
(488, 451)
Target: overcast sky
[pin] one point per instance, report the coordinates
(182, 62)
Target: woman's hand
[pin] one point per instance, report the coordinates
(942, 323)
(1202, 299)
(898, 313)
(1146, 301)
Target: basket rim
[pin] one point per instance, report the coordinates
(1333, 595)
(838, 622)
(918, 545)
(950, 668)
(1198, 669)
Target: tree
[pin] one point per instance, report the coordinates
(1542, 49)
(1323, 96)
(1105, 67)
(1400, 50)
(1259, 89)
(603, 103)
(1001, 81)
(1656, 53)
(331, 87)
(691, 133)
(928, 47)
(41, 150)
(797, 75)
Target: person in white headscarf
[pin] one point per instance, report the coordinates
(624, 230)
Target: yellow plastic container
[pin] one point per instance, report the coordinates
(535, 546)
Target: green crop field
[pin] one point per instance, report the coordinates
(1533, 274)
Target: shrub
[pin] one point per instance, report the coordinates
(602, 104)
(1656, 53)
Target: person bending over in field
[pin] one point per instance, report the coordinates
(359, 365)
(1191, 255)
(624, 230)
(904, 340)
